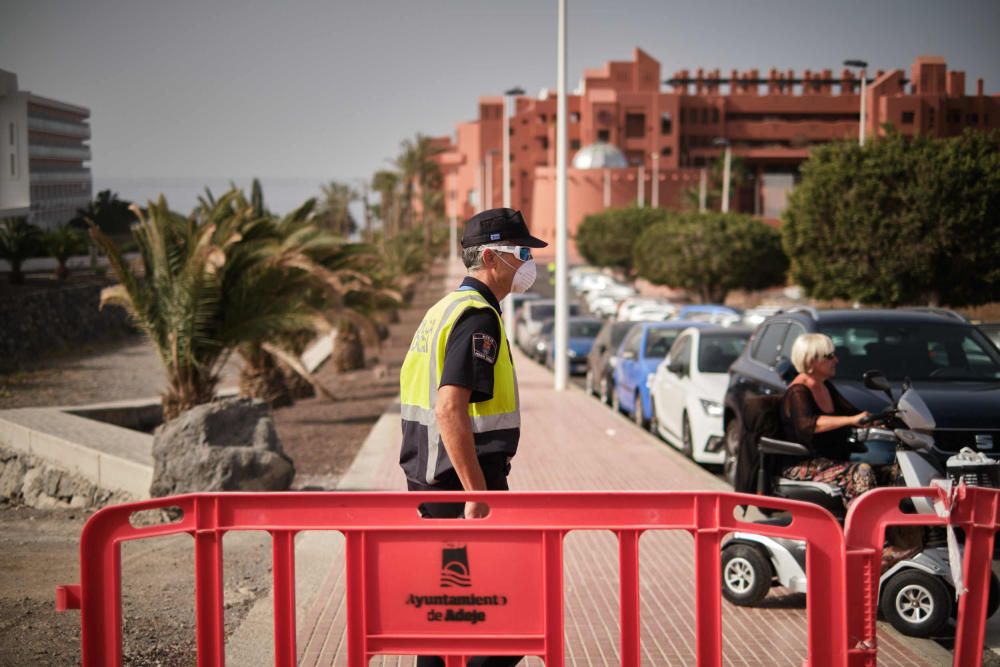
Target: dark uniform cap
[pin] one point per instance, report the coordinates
(499, 225)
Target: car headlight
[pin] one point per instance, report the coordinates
(711, 408)
(572, 354)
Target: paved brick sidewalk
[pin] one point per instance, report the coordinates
(570, 442)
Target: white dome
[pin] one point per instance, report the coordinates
(601, 155)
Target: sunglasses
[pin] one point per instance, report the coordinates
(522, 252)
(831, 355)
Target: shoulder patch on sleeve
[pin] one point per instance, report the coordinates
(485, 347)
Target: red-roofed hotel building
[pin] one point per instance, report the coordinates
(771, 123)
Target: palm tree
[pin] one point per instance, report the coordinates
(19, 240)
(386, 183)
(419, 169)
(335, 209)
(738, 175)
(63, 243)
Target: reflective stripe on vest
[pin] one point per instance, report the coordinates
(420, 375)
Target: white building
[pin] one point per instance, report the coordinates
(43, 156)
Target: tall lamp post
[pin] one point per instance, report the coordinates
(862, 65)
(725, 172)
(562, 234)
(508, 96)
(641, 177)
(655, 186)
(489, 179)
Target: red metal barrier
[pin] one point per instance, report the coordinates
(454, 588)
(976, 511)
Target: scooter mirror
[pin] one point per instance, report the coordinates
(874, 379)
(785, 369)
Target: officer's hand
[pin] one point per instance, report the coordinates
(476, 510)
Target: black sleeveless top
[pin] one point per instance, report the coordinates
(799, 413)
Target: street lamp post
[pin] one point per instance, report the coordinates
(607, 188)
(702, 190)
(642, 185)
(508, 304)
(655, 186)
(562, 235)
(727, 162)
(489, 179)
(864, 80)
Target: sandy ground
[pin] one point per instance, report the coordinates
(38, 549)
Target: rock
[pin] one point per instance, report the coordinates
(226, 445)
(33, 486)
(11, 478)
(51, 477)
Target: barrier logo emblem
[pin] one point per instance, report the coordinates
(455, 568)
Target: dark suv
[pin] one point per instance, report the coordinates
(952, 364)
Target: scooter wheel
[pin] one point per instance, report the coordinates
(916, 603)
(746, 574)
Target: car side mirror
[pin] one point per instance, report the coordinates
(676, 367)
(785, 369)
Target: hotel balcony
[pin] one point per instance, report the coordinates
(50, 177)
(782, 130)
(79, 153)
(62, 128)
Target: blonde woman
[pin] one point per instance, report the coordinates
(815, 414)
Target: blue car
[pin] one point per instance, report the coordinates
(582, 332)
(639, 354)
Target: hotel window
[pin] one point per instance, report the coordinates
(666, 123)
(604, 135)
(667, 152)
(574, 117)
(907, 118)
(930, 118)
(972, 119)
(704, 116)
(715, 116)
(635, 125)
(575, 144)
(954, 116)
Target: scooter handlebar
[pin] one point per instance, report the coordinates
(878, 416)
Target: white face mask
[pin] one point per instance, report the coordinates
(524, 276)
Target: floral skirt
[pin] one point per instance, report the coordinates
(853, 479)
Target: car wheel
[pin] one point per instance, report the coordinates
(732, 445)
(616, 404)
(687, 444)
(746, 574)
(637, 413)
(589, 382)
(654, 425)
(917, 604)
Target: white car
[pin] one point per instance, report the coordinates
(688, 389)
(630, 304)
(650, 313)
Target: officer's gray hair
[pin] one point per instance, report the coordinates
(473, 257)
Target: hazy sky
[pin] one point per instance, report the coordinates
(328, 89)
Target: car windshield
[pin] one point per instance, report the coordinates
(658, 342)
(587, 329)
(717, 352)
(547, 327)
(919, 351)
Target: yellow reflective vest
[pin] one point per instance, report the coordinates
(496, 423)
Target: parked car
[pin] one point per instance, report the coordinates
(578, 274)
(630, 305)
(582, 332)
(640, 353)
(950, 361)
(542, 341)
(529, 321)
(712, 313)
(992, 331)
(689, 388)
(652, 313)
(601, 360)
(518, 300)
(754, 316)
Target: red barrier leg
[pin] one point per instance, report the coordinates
(553, 599)
(354, 557)
(628, 573)
(977, 570)
(708, 583)
(101, 603)
(283, 563)
(209, 598)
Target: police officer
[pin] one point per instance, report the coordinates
(458, 391)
